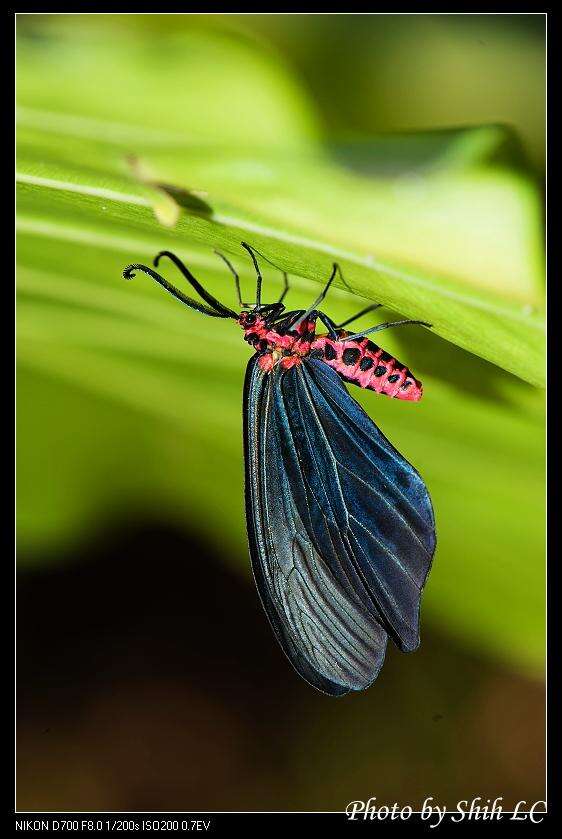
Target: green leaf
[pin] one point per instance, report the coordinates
(457, 243)
(197, 86)
(128, 402)
(444, 249)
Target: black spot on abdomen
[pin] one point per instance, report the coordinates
(393, 378)
(366, 363)
(350, 356)
(329, 352)
(380, 371)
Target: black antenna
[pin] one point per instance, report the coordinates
(128, 274)
(207, 296)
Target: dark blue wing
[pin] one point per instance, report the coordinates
(340, 526)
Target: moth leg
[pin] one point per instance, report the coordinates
(329, 324)
(387, 325)
(288, 320)
(285, 275)
(250, 250)
(324, 292)
(285, 286)
(234, 274)
(364, 311)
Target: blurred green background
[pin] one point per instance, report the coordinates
(410, 148)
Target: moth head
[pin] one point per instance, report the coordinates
(251, 320)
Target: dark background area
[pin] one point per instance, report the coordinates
(149, 679)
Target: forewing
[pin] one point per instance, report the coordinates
(370, 515)
(331, 635)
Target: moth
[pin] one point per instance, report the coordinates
(340, 526)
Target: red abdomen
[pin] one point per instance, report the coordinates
(367, 365)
